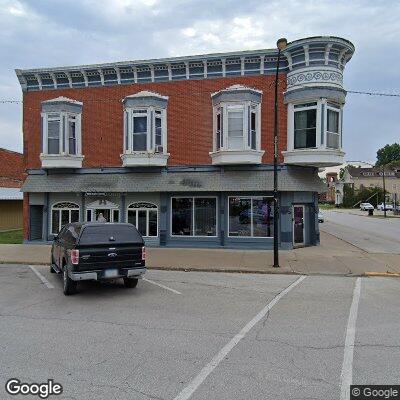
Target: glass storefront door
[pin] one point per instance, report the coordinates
(298, 225)
(110, 215)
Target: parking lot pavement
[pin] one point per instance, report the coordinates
(220, 335)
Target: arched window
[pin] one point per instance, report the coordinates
(145, 217)
(63, 213)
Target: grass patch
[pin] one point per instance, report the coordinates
(11, 237)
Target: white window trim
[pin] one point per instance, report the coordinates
(317, 107)
(193, 217)
(130, 208)
(54, 207)
(151, 128)
(319, 145)
(63, 137)
(223, 109)
(251, 220)
(339, 133)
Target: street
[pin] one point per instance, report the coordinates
(373, 235)
(199, 335)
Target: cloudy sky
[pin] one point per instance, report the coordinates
(44, 33)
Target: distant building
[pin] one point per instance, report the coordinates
(11, 179)
(336, 169)
(372, 177)
(335, 186)
(12, 169)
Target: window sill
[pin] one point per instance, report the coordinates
(226, 157)
(144, 159)
(320, 157)
(61, 161)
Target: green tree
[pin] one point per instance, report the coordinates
(388, 154)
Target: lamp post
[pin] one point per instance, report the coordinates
(281, 45)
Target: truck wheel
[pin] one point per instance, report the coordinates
(130, 282)
(69, 286)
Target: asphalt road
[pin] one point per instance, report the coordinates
(213, 336)
(374, 235)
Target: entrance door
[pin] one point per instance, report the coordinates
(35, 222)
(110, 215)
(298, 226)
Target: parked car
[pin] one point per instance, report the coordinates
(97, 251)
(366, 206)
(383, 207)
(321, 217)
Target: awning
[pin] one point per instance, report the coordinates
(290, 179)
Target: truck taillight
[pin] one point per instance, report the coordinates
(75, 257)
(143, 253)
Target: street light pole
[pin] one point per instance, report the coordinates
(281, 44)
(384, 191)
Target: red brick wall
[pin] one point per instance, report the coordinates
(189, 119)
(12, 170)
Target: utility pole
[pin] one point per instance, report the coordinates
(281, 45)
(384, 191)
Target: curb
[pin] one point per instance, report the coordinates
(229, 271)
(382, 274)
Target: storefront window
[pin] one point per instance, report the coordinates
(251, 216)
(194, 216)
(62, 214)
(182, 221)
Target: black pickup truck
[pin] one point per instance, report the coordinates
(96, 251)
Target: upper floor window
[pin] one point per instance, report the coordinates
(305, 126)
(333, 126)
(315, 125)
(145, 124)
(237, 119)
(61, 127)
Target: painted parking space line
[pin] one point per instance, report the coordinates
(187, 392)
(346, 377)
(41, 277)
(162, 286)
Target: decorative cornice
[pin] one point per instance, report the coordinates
(334, 51)
(237, 88)
(314, 77)
(146, 94)
(62, 99)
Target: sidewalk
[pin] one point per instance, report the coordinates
(332, 257)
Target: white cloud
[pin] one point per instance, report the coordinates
(49, 33)
(189, 32)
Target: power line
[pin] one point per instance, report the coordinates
(374, 93)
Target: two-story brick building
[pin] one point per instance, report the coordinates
(183, 147)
